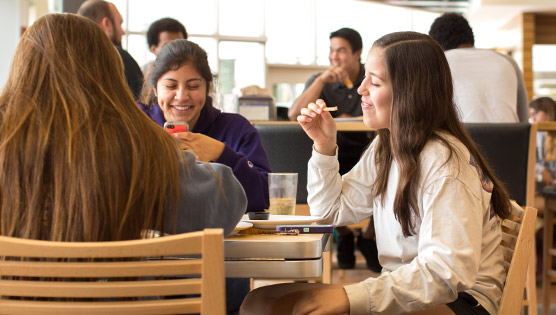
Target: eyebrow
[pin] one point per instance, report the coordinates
(376, 75)
(174, 80)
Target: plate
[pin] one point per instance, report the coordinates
(241, 226)
(276, 219)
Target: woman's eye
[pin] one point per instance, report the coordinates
(193, 87)
(170, 86)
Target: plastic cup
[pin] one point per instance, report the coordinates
(282, 188)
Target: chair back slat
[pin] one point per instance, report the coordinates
(512, 295)
(179, 244)
(164, 275)
(100, 269)
(174, 306)
(89, 289)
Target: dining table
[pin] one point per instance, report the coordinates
(275, 256)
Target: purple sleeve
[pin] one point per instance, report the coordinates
(250, 165)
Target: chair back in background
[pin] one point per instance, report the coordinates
(510, 151)
(177, 274)
(288, 149)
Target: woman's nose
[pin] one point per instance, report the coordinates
(181, 94)
(361, 89)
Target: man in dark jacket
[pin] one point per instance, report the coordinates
(107, 16)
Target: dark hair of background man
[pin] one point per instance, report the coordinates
(164, 25)
(451, 30)
(351, 35)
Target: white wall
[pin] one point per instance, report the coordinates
(10, 24)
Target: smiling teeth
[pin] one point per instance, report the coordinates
(182, 107)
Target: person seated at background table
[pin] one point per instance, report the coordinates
(544, 109)
(160, 33)
(81, 163)
(435, 201)
(177, 89)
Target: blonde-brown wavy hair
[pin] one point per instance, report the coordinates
(79, 160)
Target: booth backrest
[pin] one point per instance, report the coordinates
(507, 148)
(289, 149)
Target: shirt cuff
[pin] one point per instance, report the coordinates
(359, 299)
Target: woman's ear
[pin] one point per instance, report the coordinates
(154, 91)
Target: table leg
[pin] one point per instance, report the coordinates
(547, 258)
(326, 267)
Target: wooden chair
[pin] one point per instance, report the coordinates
(44, 277)
(510, 149)
(518, 233)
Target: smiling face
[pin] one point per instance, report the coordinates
(341, 54)
(182, 94)
(376, 92)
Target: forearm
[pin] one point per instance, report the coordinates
(339, 201)
(311, 94)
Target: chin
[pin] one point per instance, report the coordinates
(373, 124)
(368, 122)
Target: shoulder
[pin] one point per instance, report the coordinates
(439, 162)
(312, 78)
(123, 52)
(443, 154)
(233, 119)
(233, 125)
(478, 56)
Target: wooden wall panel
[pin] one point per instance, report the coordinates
(545, 29)
(528, 27)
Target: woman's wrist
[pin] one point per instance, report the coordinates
(326, 148)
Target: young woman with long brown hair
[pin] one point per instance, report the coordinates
(436, 204)
(80, 161)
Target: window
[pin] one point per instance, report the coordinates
(244, 36)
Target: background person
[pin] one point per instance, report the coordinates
(178, 90)
(110, 20)
(488, 86)
(160, 33)
(80, 161)
(345, 55)
(421, 177)
(544, 109)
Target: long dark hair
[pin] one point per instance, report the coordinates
(174, 55)
(422, 105)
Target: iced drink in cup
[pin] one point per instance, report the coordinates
(282, 188)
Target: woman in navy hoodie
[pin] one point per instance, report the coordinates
(177, 89)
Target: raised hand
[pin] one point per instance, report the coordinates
(319, 126)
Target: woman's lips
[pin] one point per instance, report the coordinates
(181, 107)
(365, 106)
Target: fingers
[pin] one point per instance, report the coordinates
(185, 136)
(336, 74)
